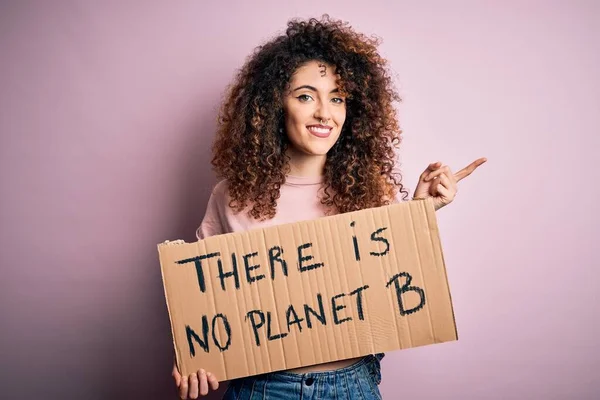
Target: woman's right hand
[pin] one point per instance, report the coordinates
(189, 387)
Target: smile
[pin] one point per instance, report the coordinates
(320, 130)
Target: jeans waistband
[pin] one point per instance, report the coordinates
(294, 377)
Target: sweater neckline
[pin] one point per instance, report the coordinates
(304, 180)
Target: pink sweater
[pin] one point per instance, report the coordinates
(299, 201)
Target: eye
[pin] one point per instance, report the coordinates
(337, 100)
(304, 98)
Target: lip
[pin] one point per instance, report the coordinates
(320, 134)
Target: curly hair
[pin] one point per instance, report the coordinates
(250, 146)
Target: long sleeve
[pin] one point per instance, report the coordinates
(213, 221)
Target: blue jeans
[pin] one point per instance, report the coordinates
(357, 381)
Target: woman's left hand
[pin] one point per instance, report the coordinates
(439, 182)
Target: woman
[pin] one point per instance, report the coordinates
(308, 129)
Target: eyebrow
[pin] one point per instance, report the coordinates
(336, 90)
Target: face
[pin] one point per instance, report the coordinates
(314, 109)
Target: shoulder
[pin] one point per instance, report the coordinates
(214, 221)
(221, 189)
(218, 202)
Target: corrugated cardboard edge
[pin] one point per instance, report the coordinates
(433, 216)
(171, 325)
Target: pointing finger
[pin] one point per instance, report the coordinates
(468, 170)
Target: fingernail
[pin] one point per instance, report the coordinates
(202, 371)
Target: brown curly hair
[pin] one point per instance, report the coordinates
(250, 146)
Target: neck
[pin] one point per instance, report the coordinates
(305, 165)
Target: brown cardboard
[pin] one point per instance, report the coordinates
(410, 229)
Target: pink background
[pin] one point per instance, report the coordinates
(107, 112)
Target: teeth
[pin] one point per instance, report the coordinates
(318, 130)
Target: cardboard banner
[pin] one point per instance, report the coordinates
(309, 292)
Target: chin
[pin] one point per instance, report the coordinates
(318, 150)
(311, 147)
(321, 147)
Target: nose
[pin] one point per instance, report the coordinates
(322, 113)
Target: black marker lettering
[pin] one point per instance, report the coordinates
(275, 254)
(251, 267)
(191, 334)
(302, 258)
(355, 242)
(256, 325)
(400, 290)
(222, 275)
(227, 328)
(359, 307)
(320, 316)
(198, 262)
(269, 336)
(335, 308)
(290, 311)
(376, 238)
